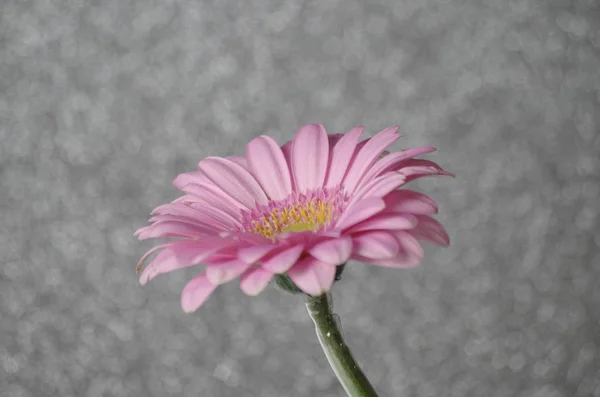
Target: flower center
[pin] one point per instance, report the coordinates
(312, 211)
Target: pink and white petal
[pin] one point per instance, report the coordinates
(223, 255)
(359, 212)
(379, 187)
(340, 156)
(178, 209)
(172, 229)
(199, 221)
(234, 180)
(393, 161)
(255, 253)
(367, 156)
(411, 252)
(286, 149)
(187, 178)
(334, 251)
(310, 156)
(210, 194)
(312, 276)
(163, 262)
(223, 272)
(386, 221)
(395, 263)
(142, 260)
(195, 212)
(375, 245)
(195, 293)
(391, 130)
(281, 261)
(405, 200)
(179, 255)
(267, 164)
(186, 198)
(246, 237)
(214, 216)
(240, 160)
(333, 233)
(333, 139)
(306, 239)
(417, 168)
(409, 255)
(431, 231)
(255, 280)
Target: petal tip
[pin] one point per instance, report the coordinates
(391, 130)
(189, 306)
(251, 291)
(214, 275)
(187, 309)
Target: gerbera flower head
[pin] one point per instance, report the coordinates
(298, 210)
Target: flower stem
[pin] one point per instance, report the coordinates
(338, 354)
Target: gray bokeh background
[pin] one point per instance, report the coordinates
(104, 102)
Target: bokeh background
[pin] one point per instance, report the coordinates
(103, 103)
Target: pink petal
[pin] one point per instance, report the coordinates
(393, 161)
(333, 139)
(360, 211)
(164, 262)
(172, 229)
(417, 168)
(223, 272)
(267, 163)
(431, 231)
(254, 281)
(187, 178)
(186, 198)
(199, 221)
(179, 209)
(246, 237)
(198, 212)
(210, 194)
(240, 160)
(376, 245)
(282, 261)
(255, 253)
(410, 252)
(386, 221)
(312, 276)
(410, 201)
(334, 252)
(379, 187)
(286, 149)
(340, 156)
(195, 293)
(214, 216)
(142, 260)
(306, 239)
(310, 156)
(367, 157)
(234, 180)
(181, 254)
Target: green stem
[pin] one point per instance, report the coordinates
(338, 354)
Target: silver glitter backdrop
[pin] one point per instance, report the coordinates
(103, 103)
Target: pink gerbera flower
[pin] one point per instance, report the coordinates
(301, 209)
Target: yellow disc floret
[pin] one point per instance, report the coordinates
(309, 215)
